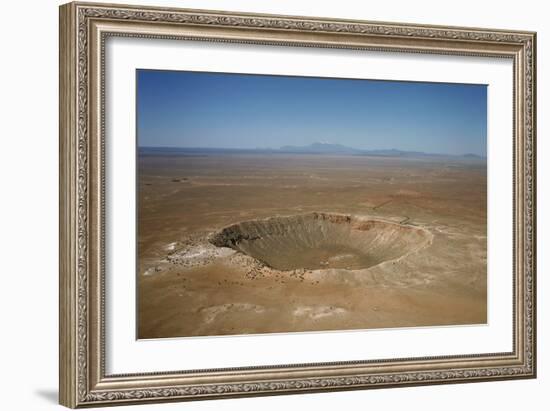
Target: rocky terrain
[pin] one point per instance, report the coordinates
(240, 244)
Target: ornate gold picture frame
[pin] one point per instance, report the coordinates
(84, 29)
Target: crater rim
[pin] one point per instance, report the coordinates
(322, 241)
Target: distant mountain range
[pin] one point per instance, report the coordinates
(319, 148)
(328, 148)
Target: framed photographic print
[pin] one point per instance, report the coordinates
(259, 204)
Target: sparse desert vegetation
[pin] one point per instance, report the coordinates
(259, 243)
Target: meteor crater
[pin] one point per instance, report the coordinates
(318, 241)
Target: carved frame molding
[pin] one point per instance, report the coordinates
(84, 27)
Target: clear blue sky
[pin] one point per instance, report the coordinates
(194, 109)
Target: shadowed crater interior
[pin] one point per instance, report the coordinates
(321, 241)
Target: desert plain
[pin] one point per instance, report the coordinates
(248, 243)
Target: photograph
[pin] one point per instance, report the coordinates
(286, 204)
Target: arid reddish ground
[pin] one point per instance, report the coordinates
(433, 274)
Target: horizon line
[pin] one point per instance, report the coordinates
(305, 146)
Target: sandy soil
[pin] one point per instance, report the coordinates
(187, 286)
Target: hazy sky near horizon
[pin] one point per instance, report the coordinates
(195, 109)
